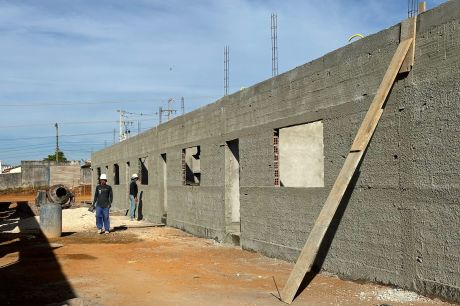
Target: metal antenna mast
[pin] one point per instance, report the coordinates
(182, 105)
(123, 125)
(274, 31)
(412, 8)
(57, 142)
(169, 111)
(226, 69)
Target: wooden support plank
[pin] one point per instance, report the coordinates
(408, 30)
(310, 250)
(375, 111)
(422, 7)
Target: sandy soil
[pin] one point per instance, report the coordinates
(137, 265)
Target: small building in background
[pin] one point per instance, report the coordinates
(37, 174)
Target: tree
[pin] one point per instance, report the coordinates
(52, 157)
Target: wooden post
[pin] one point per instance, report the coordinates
(408, 29)
(422, 7)
(310, 250)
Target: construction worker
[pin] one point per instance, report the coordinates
(133, 195)
(103, 197)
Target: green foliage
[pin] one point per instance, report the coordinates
(52, 157)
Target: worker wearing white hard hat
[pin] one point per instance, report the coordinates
(133, 190)
(103, 197)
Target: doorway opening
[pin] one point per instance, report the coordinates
(232, 187)
(164, 187)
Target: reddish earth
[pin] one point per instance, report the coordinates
(155, 266)
(82, 194)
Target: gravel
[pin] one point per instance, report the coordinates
(393, 295)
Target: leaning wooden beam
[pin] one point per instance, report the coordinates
(408, 29)
(422, 7)
(310, 250)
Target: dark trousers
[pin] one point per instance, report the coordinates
(102, 218)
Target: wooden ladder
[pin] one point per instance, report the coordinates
(402, 61)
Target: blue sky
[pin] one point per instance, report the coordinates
(77, 62)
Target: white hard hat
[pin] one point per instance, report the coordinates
(103, 177)
(134, 176)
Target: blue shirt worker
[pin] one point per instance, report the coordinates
(103, 197)
(133, 196)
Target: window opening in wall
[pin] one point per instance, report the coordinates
(191, 168)
(232, 185)
(98, 172)
(127, 178)
(276, 162)
(127, 174)
(116, 174)
(299, 155)
(143, 171)
(164, 189)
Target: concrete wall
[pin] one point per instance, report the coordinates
(68, 175)
(35, 173)
(85, 175)
(398, 223)
(45, 173)
(10, 180)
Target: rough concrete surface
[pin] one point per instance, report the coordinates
(398, 222)
(10, 180)
(45, 173)
(301, 155)
(139, 265)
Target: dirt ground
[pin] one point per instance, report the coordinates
(82, 194)
(141, 265)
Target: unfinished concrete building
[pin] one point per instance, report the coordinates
(259, 164)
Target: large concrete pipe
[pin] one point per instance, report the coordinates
(59, 194)
(51, 220)
(51, 212)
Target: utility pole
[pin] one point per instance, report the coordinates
(114, 132)
(274, 31)
(160, 114)
(57, 142)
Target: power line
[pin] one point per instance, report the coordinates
(67, 135)
(40, 104)
(50, 143)
(72, 122)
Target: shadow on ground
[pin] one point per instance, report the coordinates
(30, 272)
